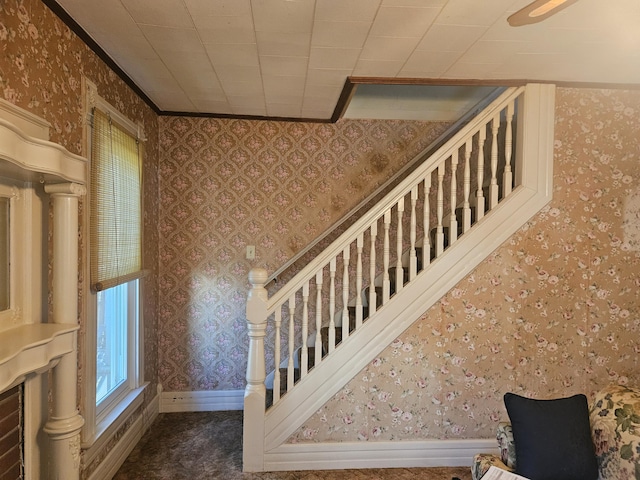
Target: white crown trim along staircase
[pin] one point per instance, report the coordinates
(534, 154)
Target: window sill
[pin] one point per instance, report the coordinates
(109, 426)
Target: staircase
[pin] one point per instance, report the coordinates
(387, 269)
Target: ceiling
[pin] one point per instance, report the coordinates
(290, 58)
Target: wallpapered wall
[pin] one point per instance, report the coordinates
(226, 184)
(41, 68)
(553, 312)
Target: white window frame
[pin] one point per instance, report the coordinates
(102, 423)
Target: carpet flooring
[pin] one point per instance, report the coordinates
(208, 445)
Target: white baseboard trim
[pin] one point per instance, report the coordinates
(119, 453)
(202, 401)
(401, 454)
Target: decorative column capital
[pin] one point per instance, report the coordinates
(68, 189)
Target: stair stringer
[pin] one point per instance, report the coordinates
(535, 151)
(315, 389)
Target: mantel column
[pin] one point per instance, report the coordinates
(65, 421)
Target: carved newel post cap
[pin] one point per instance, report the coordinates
(258, 276)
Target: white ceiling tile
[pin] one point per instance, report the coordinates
(209, 8)
(377, 68)
(450, 38)
(215, 94)
(414, 3)
(591, 40)
(472, 70)
(283, 44)
(328, 92)
(237, 54)
(277, 85)
(388, 49)
(225, 23)
(206, 105)
(166, 13)
(252, 110)
(333, 58)
(403, 21)
(463, 12)
(491, 52)
(228, 74)
(346, 10)
(325, 76)
(428, 62)
(282, 16)
(222, 36)
(166, 39)
(240, 88)
(340, 34)
(294, 66)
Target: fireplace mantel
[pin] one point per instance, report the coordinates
(38, 331)
(32, 348)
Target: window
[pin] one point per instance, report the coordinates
(114, 219)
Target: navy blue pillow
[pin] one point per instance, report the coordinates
(552, 438)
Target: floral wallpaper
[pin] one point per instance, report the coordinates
(552, 312)
(226, 184)
(42, 64)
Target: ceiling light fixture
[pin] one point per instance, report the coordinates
(538, 11)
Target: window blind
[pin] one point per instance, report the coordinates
(116, 181)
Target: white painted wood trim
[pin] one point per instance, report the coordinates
(31, 349)
(26, 121)
(202, 401)
(401, 454)
(34, 156)
(313, 391)
(119, 453)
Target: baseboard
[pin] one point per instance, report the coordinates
(401, 454)
(119, 453)
(201, 401)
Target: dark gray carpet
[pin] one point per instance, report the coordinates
(208, 445)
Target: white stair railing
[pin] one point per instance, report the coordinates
(440, 212)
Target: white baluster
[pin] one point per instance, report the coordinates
(440, 211)
(359, 246)
(507, 177)
(480, 206)
(453, 220)
(346, 256)
(277, 354)
(466, 210)
(372, 270)
(318, 349)
(413, 259)
(292, 345)
(399, 269)
(493, 187)
(304, 352)
(332, 304)
(386, 285)
(426, 219)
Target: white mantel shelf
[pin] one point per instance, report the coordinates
(31, 348)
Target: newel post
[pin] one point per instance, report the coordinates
(255, 392)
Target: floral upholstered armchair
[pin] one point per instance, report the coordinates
(614, 418)
(615, 426)
(507, 459)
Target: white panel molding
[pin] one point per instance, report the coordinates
(202, 401)
(119, 453)
(401, 454)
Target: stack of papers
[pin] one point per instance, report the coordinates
(495, 473)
